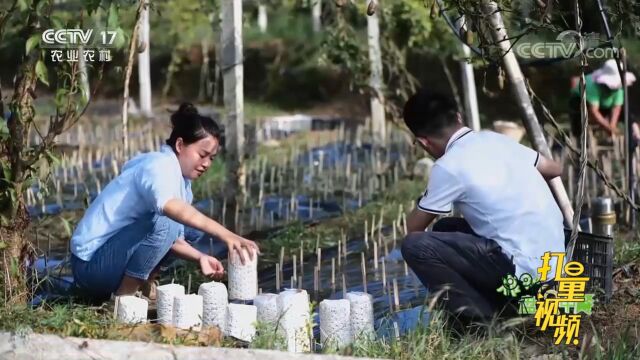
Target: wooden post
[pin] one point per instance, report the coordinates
(519, 89)
(363, 266)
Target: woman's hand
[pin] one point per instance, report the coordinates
(211, 267)
(237, 243)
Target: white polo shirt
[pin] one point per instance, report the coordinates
(494, 183)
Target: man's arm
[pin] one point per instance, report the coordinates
(548, 168)
(615, 116)
(419, 220)
(594, 113)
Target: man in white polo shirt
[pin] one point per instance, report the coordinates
(499, 186)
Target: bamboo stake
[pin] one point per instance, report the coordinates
(364, 271)
(295, 268)
(316, 281)
(281, 260)
(396, 296)
(344, 285)
(375, 255)
(277, 277)
(384, 277)
(319, 257)
(333, 275)
(301, 259)
(339, 254)
(366, 235)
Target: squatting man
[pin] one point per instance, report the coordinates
(510, 217)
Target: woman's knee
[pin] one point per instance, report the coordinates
(164, 232)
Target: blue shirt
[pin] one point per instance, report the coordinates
(143, 187)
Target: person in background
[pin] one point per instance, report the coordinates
(604, 95)
(144, 213)
(510, 217)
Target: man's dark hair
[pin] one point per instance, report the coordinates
(428, 113)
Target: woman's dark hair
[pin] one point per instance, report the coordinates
(189, 125)
(427, 113)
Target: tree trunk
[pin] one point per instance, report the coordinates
(171, 70)
(316, 12)
(375, 80)
(144, 72)
(204, 72)
(468, 84)
(520, 93)
(84, 74)
(14, 253)
(232, 72)
(262, 18)
(13, 215)
(127, 77)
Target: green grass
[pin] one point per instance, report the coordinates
(626, 247)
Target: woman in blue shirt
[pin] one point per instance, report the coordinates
(141, 215)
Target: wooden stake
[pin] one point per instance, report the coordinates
(282, 258)
(339, 253)
(404, 224)
(366, 235)
(333, 275)
(364, 271)
(301, 259)
(316, 281)
(277, 277)
(344, 286)
(295, 268)
(396, 296)
(319, 257)
(375, 255)
(384, 277)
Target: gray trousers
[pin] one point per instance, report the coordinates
(471, 266)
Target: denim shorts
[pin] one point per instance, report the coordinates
(136, 250)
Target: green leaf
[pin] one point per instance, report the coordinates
(91, 5)
(40, 7)
(23, 5)
(61, 95)
(4, 129)
(3, 245)
(32, 43)
(5, 167)
(112, 20)
(52, 158)
(57, 22)
(42, 73)
(120, 40)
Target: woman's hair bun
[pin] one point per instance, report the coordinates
(185, 111)
(187, 108)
